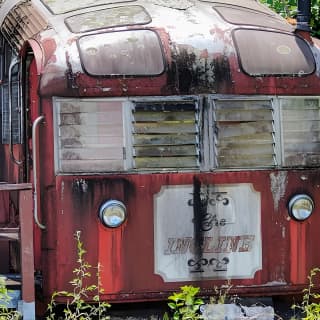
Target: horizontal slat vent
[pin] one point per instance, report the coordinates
(16, 116)
(301, 131)
(21, 23)
(166, 135)
(90, 136)
(244, 134)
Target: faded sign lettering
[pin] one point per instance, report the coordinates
(218, 238)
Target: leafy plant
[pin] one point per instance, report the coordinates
(288, 9)
(5, 313)
(77, 307)
(310, 305)
(184, 304)
(221, 294)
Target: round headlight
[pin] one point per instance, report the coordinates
(301, 207)
(113, 213)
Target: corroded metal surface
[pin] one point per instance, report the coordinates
(196, 37)
(175, 70)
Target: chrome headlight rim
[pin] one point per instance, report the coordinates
(301, 207)
(112, 213)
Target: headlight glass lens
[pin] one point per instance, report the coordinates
(113, 213)
(301, 207)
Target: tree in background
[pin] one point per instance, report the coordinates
(288, 9)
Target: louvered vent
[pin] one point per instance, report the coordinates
(301, 131)
(244, 134)
(89, 135)
(21, 23)
(166, 135)
(16, 116)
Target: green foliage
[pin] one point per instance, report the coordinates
(5, 313)
(288, 9)
(184, 304)
(77, 307)
(221, 294)
(310, 305)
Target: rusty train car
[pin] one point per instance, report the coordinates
(182, 138)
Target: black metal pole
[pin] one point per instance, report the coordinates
(304, 15)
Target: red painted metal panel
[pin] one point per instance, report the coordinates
(127, 253)
(26, 242)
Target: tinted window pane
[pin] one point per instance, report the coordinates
(112, 17)
(122, 53)
(62, 6)
(273, 53)
(238, 15)
(252, 4)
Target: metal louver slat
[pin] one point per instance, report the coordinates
(165, 135)
(244, 133)
(16, 116)
(21, 23)
(89, 135)
(301, 131)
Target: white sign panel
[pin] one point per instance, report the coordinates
(212, 233)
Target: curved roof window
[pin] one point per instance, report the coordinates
(134, 52)
(62, 6)
(245, 16)
(273, 53)
(112, 17)
(251, 4)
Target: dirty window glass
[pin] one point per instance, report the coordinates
(119, 16)
(238, 15)
(301, 131)
(62, 6)
(244, 133)
(251, 4)
(273, 53)
(135, 52)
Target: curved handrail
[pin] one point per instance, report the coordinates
(35, 169)
(13, 63)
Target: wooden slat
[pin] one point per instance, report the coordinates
(146, 116)
(296, 103)
(164, 139)
(149, 128)
(93, 118)
(300, 115)
(306, 147)
(242, 129)
(244, 151)
(91, 142)
(301, 136)
(240, 105)
(259, 138)
(238, 161)
(298, 126)
(168, 162)
(165, 151)
(91, 165)
(90, 106)
(302, 159)
(112, 130)
(243, 115)
(102, 153)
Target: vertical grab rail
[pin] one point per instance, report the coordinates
(35, 169)
(13, 63)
